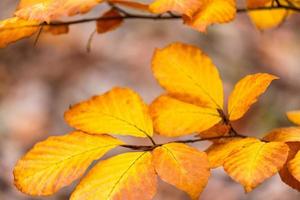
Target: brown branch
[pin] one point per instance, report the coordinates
(166, 16)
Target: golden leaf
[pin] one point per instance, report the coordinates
(187, 7)
(217, 130)
(104, 26)
(212, 12)
(219, 151)
(14, 29)
(265, 19)
(119, 111)
(182, 166)
(246, 92)
(129, 176)
(186, 72)
(58, 161)
(50, 10)
(294, 116)
(284, 173)
(251, 165)
(288, 134)
(172, 117)
(294, 166)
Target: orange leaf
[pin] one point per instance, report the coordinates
(50, 10)
(294, 166)
(215, 131)
(182, 166)
(219, 151)
(284, 173)
(246, 92)
(187, 73)
(58, 161)
(212, 12)
(129, 176)
(104, 26)
(294, 116)
(251, 165)
(132, 4)
(119, 111)
(172, 117)
(187, 7)
(14, 29)
(289, 134)
(56, 29)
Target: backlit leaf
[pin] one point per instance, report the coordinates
(265, 19)
(246, 93)
(212, 12)
(119, 111)
(59, 160)
(104, 26)
(288, 134)
(187, 7)
(186, 72)
(294, 116)
(215, 131)
(284, 173)
(50, 10)
(219, 151)
(294, 166)
(182, 166)
(172, 117)
(251, 165)
(129, 176)
(14, 29)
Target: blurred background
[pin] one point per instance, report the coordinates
(37, 84)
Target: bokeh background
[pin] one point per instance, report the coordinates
(37, 84)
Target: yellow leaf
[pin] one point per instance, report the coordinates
(284, 173)
(251, 165)
(50, 10)
(265, 19)
(219, 151)
(104, 26)
(132, 4)
(129, 176)
(186, 72)
(14, 29)
(215, 131)
(182, 166)
(288, 134)
(294, 116)
(294, 166)
(212, 12)
(187, 7)
(58, 161)
(246, 92)
(172, 117)
(119, 111)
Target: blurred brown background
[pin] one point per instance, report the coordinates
(37, 84)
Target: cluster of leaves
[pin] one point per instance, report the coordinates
(192, 104)
(33, 15)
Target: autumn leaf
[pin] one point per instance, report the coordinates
(182, 166)
(288, 134)
(132, 4)
(221, 149)
(50, 10)
(265, 19)
(128, 176)
(284, 173)
(294, 116)
(246, 92)
(56, 29)
(251, 165)
(217, 130)
(14, 29)
(119, 111)
(104, 26)
(59, 160)
(187, 73)
(212, 12)
(294, 166)
(187, 7)
(172, 117)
